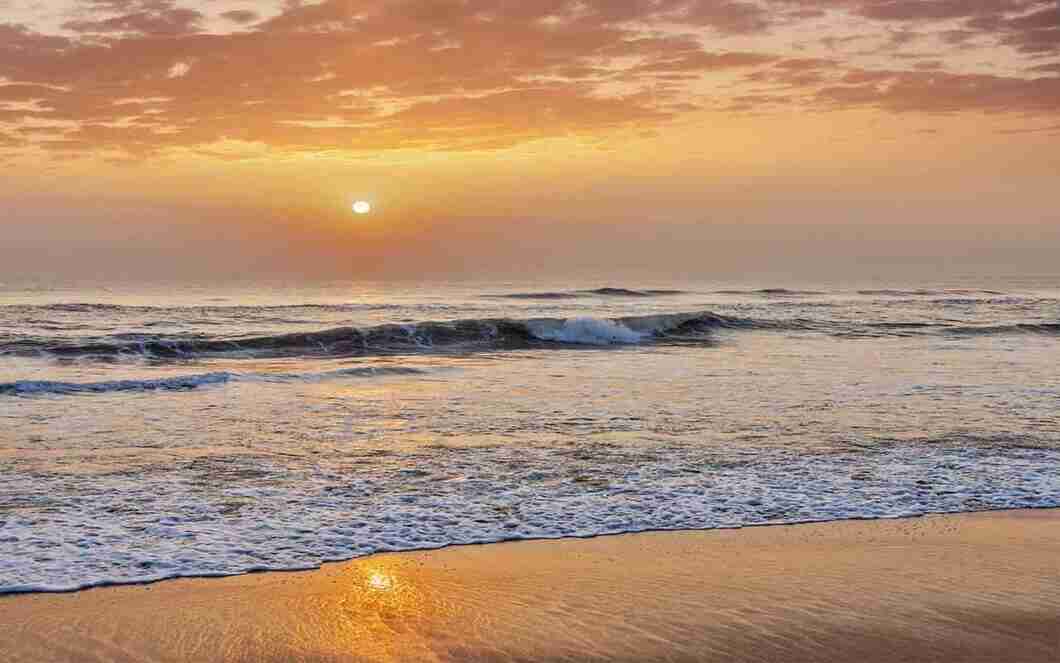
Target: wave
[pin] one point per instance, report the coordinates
(480, 334)
(920, 292)
(596, 292)
(907, 329)
(189, 382)
(537, 295)
(587, 331)
(623, 292)
(773, 292)
(215, 309)
(882, 292)
(425, 503)
(467, 334)
(1033, 328)
(472, 334)
(179, 383)
(337, 307)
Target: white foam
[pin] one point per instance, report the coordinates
(586, 331)
(263, 513)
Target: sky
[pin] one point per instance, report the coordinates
(229, 138)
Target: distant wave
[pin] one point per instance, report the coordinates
(775, 292)
(878, 329)
(597, 292)
(220, 309)
(351, 307)
(927, 293)
(907, 325)
(623, 292)
(473, 334)
(1037, 328)
(883, 292)
(538, 295)
(189, 382)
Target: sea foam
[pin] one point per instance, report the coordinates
(241, 513)
(586, 331)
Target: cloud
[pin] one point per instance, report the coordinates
(938, 92)
(936, 10)
(1029, 26)
(20, 40)
(1052, 129)
(241, 16)
(147, 17)
(487, 74)
(700, 61)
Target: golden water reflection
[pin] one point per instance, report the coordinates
(377, 609)
(381, 581)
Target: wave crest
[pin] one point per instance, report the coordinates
(585, 331)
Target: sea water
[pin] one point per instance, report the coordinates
(149, 432)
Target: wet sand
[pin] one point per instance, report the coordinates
(979, 587)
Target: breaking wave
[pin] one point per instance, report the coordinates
(480, 334)
(473, 334)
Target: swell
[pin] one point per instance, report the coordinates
(189, 382)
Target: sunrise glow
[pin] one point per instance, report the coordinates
(851, 127)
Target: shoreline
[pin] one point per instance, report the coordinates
(960, 587)
(572, 537)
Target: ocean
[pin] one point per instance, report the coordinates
(160, 431)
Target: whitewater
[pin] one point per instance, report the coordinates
(150, 432)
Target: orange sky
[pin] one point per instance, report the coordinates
(180, 136)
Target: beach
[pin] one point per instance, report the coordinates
(338, 331)
(968, 587)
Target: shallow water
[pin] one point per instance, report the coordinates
(157, 432)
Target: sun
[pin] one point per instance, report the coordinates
(362, 207)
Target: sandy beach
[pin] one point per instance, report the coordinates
(977, 587)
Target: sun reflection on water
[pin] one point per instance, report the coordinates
(377, 609)
(380, 581)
